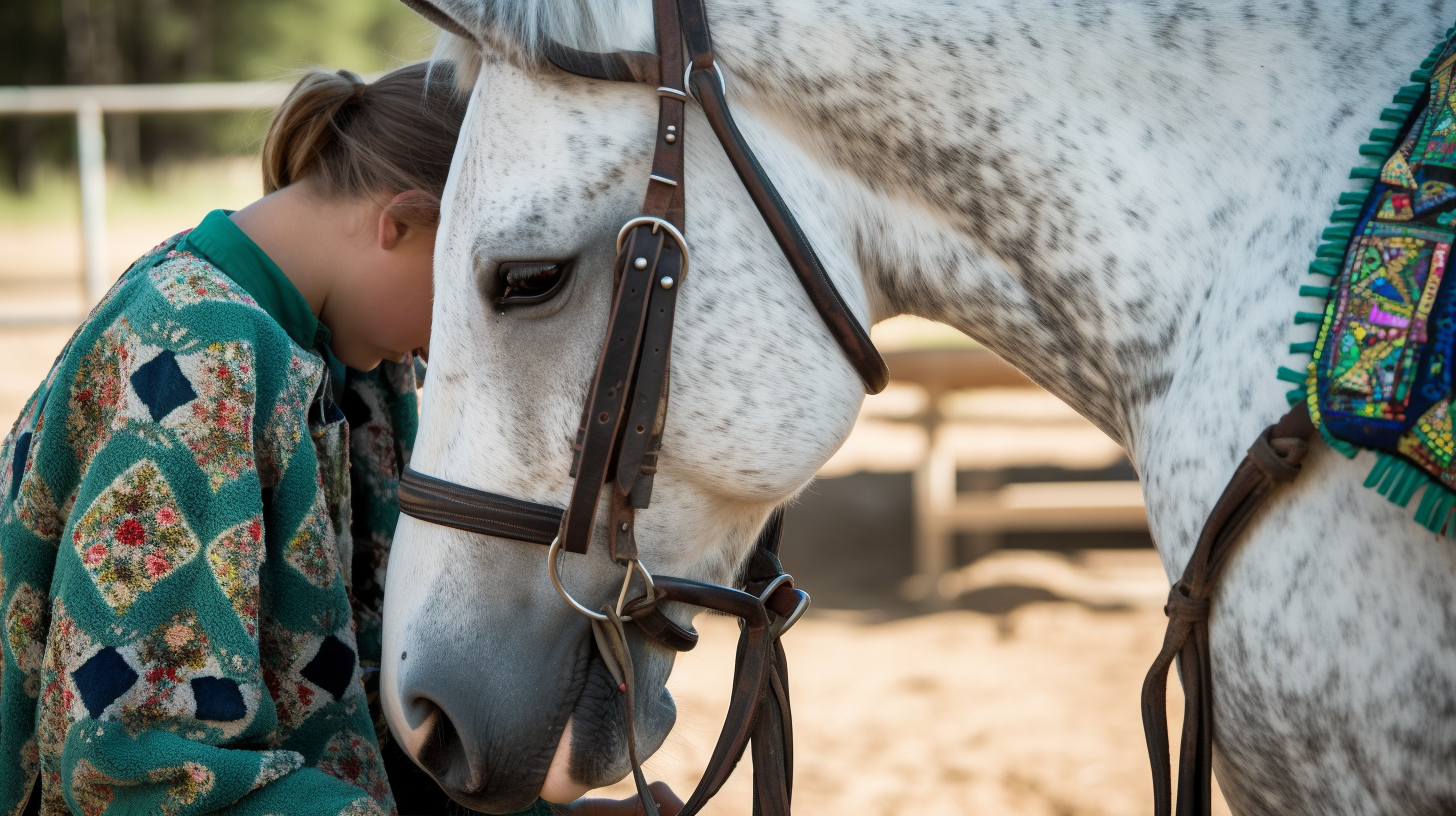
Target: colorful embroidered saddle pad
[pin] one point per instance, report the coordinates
(1380, 374)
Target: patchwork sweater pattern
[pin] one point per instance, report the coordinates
(190, 573)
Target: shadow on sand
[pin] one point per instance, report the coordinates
(849, 540)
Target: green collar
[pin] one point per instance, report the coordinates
(230, 249)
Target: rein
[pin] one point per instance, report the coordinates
(620, 433)
(1276, 457)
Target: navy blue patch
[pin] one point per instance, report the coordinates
(332, 668)
(356, 410)
(102, 679)
(17, 465)
(162, 386)
(218, 699)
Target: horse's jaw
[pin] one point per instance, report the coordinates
(506, 698)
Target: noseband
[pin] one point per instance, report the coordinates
(620, 434)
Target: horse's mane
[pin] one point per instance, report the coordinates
(521, 28)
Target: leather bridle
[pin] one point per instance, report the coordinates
(622, 422)
(631, 380)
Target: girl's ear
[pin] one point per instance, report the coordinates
(395, 219)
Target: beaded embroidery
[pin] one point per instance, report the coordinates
(1379, 377)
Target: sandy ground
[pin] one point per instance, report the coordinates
(1028, 708)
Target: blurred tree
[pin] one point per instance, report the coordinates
(45, 42)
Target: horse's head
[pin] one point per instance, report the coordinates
(490, 680)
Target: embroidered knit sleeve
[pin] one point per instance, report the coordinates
(200, 654)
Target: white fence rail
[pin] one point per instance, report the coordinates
(89, 104)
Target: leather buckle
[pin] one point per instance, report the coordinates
(656, 223)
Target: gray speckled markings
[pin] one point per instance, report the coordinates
(1118, 196)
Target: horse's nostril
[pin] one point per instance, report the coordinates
(441, 753)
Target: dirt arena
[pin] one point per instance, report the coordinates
(1020, 700)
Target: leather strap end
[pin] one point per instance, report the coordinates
(622, 536)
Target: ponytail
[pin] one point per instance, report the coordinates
(353, 138)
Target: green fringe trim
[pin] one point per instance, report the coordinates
(1434, 511)
(1398, 480)
(1410, 94)
(1339, 446)
(1392, 476)
(1399, 113)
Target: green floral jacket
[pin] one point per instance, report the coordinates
(190, 576)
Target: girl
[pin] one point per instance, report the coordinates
(196, 506)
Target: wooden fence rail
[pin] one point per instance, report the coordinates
(89, 104)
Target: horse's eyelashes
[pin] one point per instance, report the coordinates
(521, 283)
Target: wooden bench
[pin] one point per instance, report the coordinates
(941, 511)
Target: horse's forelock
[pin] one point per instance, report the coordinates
(464, 54)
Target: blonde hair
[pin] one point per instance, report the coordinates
(353, 138)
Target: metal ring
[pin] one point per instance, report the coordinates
(561, 590)
(682, 243)
(774, 585)
(786, 624)
(551, 557)
(722, 85)
(627, 584)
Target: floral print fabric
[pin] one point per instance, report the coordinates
(178, 534)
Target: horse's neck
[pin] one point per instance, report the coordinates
(1120, 201)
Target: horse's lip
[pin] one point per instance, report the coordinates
(559, 786)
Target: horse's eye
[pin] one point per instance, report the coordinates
(524, 283)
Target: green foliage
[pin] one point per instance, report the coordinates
(51, 42)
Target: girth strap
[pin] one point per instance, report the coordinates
(1275, 457)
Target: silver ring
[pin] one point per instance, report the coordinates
(627, 584)
(723, 86)
(551, 557)
(682, 243)
(774, 585)
(561, 590)
(786, 624)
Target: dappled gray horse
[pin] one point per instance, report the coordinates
(1117, 197)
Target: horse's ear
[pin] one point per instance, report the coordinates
(455, 16)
